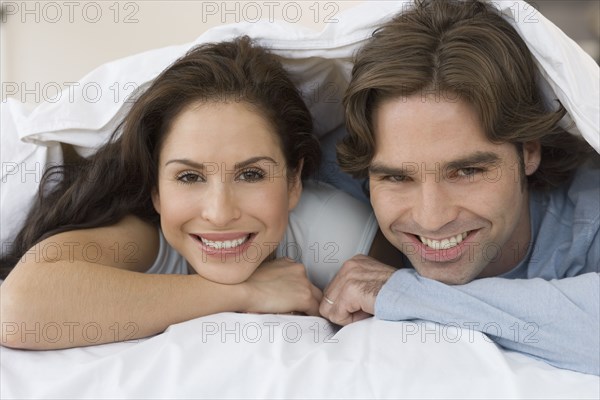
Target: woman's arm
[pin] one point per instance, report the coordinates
(88, 287)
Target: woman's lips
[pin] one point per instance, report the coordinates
(223, 243)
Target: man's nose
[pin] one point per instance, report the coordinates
(434, 207)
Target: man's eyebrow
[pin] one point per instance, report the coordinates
(238, 165)
(377, 168)
(478, 158)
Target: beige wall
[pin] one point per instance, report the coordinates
(46, 44)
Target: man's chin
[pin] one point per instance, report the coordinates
(445, 274)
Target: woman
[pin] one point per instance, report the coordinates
(201, 178)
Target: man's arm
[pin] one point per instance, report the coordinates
(554, 320)
(557, 321)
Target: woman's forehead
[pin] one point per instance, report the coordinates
(221, 130)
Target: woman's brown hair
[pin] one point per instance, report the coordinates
(466, 50)
(119, 178)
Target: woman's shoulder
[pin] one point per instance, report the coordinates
(327, 227)
(168, 260)
(331, 212)
(131, 244)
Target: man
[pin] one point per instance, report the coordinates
(475, 183)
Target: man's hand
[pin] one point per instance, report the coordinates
(350, 296)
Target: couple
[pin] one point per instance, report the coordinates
(483, 210)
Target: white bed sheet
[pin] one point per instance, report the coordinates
(233, 355)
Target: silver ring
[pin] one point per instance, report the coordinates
(327, 299)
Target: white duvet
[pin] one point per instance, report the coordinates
(282, 356)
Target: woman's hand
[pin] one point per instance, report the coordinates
(281, 286)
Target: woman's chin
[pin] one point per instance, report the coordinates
(229, 278)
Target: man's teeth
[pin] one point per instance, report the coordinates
(224, 244)
(443, 244)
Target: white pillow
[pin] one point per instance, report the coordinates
(319, 62)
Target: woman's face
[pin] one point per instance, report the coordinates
(223, 192)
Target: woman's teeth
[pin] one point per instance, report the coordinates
(443, 244)
(224, 244)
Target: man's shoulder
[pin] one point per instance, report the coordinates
(584, 195)
(585, 179)
(566, 222)
(576, 201)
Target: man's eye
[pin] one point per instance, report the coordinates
(189, 177)
(466, 172)
(396, 178)
(251, 175)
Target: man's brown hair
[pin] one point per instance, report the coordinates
(468, 51)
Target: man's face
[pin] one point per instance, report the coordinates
(452, 201)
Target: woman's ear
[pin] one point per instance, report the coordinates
(295, 186)
(156, 199)
(532, 155)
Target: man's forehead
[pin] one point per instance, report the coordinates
(412, 123)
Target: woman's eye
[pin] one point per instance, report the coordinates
(189, 177)
(251, 175)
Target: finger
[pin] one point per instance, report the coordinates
(342, 313)
(360, 315)
(352, 317)
(327, 304)
(337, 311)
(316, 292)
(313, 308)
(314, 302)
(351, 305)
(341, 317)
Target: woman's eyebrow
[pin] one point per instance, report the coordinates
(254, 160)
(187, 162)
(238, 165)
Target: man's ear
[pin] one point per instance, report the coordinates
(532, 155)
(295, 186)
(156, 199)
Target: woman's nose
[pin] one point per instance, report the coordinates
(220, 205)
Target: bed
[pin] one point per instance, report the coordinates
(279, 356)
(233, 355)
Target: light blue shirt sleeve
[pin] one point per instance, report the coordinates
(548, 306)
(556, 321)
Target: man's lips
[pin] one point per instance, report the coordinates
(444, 243)
(443, 249)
